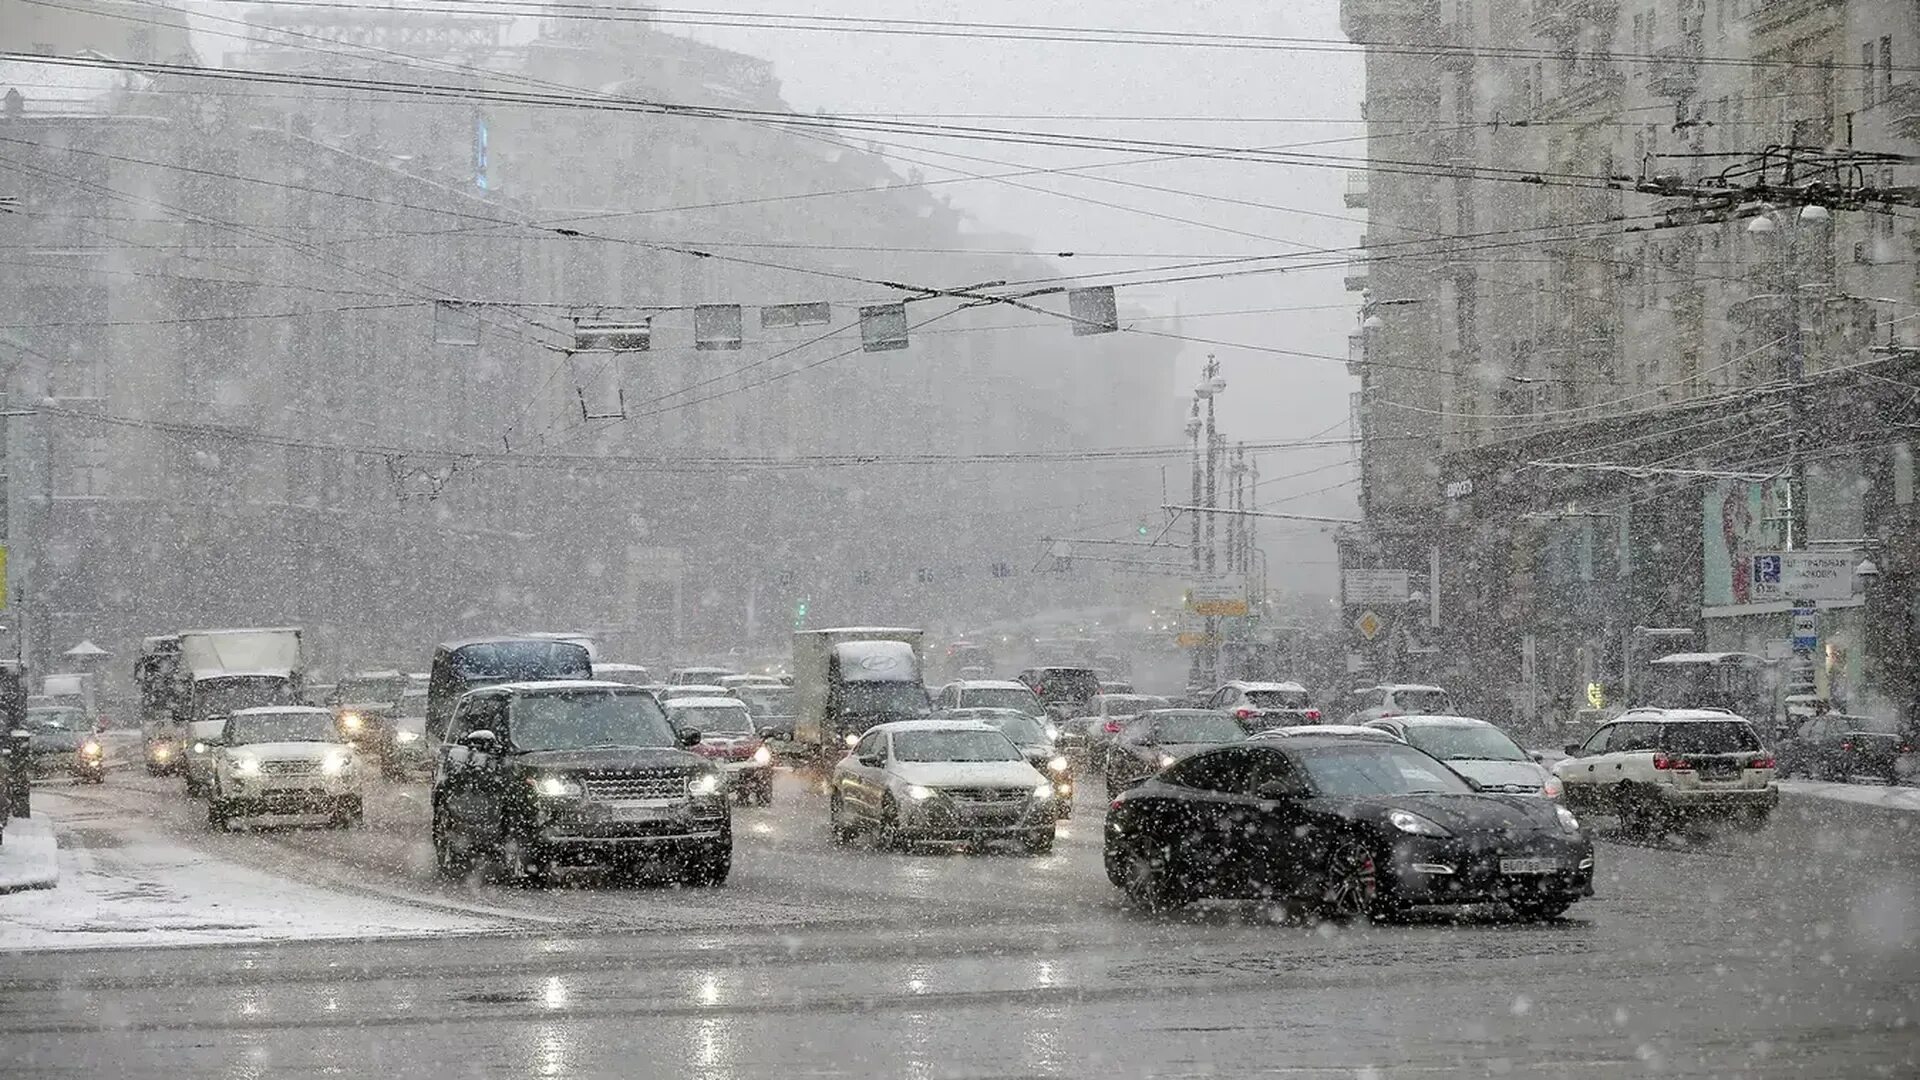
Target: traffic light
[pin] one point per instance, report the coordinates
(1143, 530)
(800, 613)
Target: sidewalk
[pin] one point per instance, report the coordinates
(29, 859)
(1880, 797)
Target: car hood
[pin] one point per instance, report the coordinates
(290, 751)
(609, 759)
(1501, 773)
(966, 773)
(54, 742)
(1476, 813)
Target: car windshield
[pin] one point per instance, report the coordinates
(1056, 686)
(891, 700)
(712, 719)
(1021, 728)
(1364, 768)
(1429, 702)
(281, 727)
(953, 746)
(1871, 725)
(1131, 704)
(1278, 699)
(582, 719)
(1451, 742)
(521, 661)
(1195, 727)
(371, 688)
(230, 694)
(1000, 697)
(767, 700)
(52, 720)
(1708, 737)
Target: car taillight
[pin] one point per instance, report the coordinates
(1112, 727)
(1243, 713)
(1115, 806)
(1846, 746)
(1662, 761)
(1313, 715)
(1760, 763)
(1388, 715)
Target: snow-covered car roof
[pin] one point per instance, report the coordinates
(1335, 731)
(705, 703)
(1440, 721)
(536, 686)
(272, 710)
(1691, 715)
(687, 690)
(1290, 687)
(1706, 658)
(988, 684)
(1411, 686)
(894, 727)
(618, 667)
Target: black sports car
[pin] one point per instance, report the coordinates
(1345, 827)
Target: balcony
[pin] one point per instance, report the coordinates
(1675, 71)
(1902, 110)
(1356, 353)
(1582, 91)
(1563, 20)
(1356, 190)
(1357, 273)
(1387, 20)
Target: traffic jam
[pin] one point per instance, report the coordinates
(541, 761)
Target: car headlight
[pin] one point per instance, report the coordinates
(1053, 731)
(1043, 791)
(162, 752)
(335, 763)
(704, 784)
(763, 756)
(557, 787)
(920, 794)
(199, 748)
(244, 765)
(1166, 760)
(352, 722)
(1550, 788)
(1058, 764)
(1409, 822)
(852, 741)
(91, 749)
(1567, 820)
(406, 736)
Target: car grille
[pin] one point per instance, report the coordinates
(987, 795)
(289, 768)
(648, 785)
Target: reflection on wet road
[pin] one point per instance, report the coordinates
(1791, 953)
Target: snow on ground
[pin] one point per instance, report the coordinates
(29, 858)
(1876, 795)
(133, 886)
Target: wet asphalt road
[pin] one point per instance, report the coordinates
(1794, 953)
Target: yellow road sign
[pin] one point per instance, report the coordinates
(1368, 624)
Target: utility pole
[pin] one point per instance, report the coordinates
(1196, 667)
(1212, 383)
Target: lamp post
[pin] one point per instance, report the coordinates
(1212, 384)
(1810, 218)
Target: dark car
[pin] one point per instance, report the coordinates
(460, 666)
(62, 743)
(1837, 746)
(536, 776)
(1038, 741)
(1063, 691)
(1158, 738)
(772, 707)
(1343, 827)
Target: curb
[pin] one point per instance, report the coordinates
(1887, 820)
(30, 858)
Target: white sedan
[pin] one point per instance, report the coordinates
(943, 780)
(284, 759)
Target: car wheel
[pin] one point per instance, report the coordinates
(1149, 881)
(451, 863)
(1632, 813)
(1540, 908)
(840, 832)
(1039, 843)
(765, 795)
(1351, 885)
(886, 836)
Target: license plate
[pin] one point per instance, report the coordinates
(639, 811)
(1529, 866)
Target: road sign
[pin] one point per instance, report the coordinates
(1802, 575)
(1806, 629)
(1368, 624)
(1222, 596)
(1364, 588)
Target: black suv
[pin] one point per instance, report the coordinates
(535, 776)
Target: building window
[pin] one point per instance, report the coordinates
(1886, 68)
(80, 466)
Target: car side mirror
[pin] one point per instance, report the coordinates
(1573, 750)
(872, 761)
(1538, 757)
(689, 738)
(1275, 791)
(481, 741)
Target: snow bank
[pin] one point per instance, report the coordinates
(142, 889)
(1884, 798)
(30, 859)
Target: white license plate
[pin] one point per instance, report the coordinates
(639, 811)
(1529, 866)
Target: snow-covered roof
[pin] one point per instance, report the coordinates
(1440, 721)
(989, 684)
(697, 690)
(277, 710)
(1707, 658)
(1411, 686)
(54, 89)
(1288, 687)
(705, 703)
(1340, 731)
(1689, 715)
(875, 661)
(534, 686)
(896, 726)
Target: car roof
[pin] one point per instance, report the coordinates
(988, 684)
(1409, 686)
(505, 639)
(538, 686)
(895, 727)
(1248, 684)
(688, 689)
(1331, 731)
(705, 667)
(1061, 667)
(1711, 716)
(1183, 711)
(267, 710)
(1344, 742)
(1438, 721)
(706, 703)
